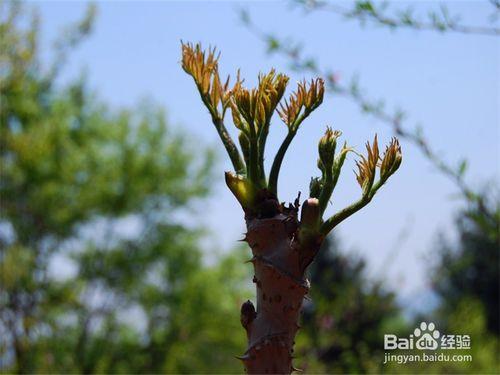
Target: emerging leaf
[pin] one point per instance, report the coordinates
(253, 108)
(203, 67)
(302, 102)
(391, 160)
(242, 188)
(198, 65)
(367, 166)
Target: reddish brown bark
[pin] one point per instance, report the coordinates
(279, 260)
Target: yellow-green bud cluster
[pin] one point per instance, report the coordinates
(326, 148)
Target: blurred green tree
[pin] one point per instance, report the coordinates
(346, 316)
(469, 269)
(465, 278)
(99, 273)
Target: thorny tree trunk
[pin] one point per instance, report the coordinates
(279, 262)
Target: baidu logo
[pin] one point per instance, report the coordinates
(427, 336)
(426, 344)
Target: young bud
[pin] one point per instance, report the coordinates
(202, 66)
(311, 214)
(256, 106)
(367, 166)
(310, 222)
(238, 122)
(301, 103)
(272, 87)
(391, 160)
(243, 189)
(326, 147)
(315, 187)
(242, 103)
(314, 94)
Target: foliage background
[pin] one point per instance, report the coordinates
(106, 257)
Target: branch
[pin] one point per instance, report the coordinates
(343, 214)
(227, 141)
(252, 110)
(395, 121)
(387, 165)
(231, 148)
(253, 166)
(278, 160)
(262, 148)
(328, 165)
(70, 39)
(378, 14)
(340, 216)
(202, 66)
(293, 112)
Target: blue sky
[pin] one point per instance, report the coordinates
(448, 83)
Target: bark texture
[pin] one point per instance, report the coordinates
(279, 260)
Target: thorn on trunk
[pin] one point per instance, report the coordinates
(248, 314)
(243, 358)
(250, 260)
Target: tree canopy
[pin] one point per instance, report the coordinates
(99, 273)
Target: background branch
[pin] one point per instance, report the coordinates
(381, 14)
